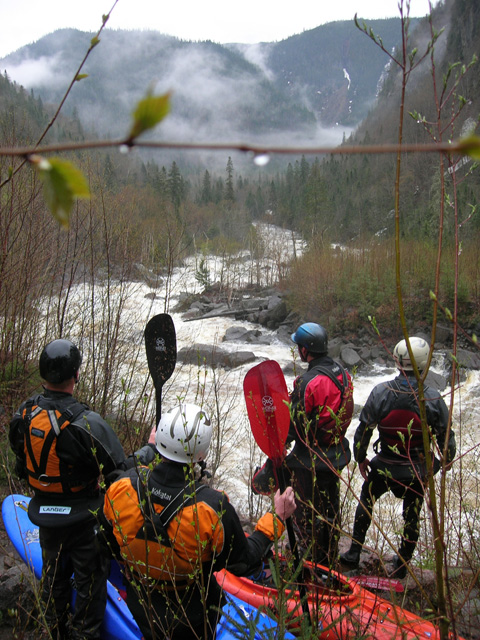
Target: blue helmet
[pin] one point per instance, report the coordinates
(312, 336)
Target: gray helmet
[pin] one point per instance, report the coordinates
(312, 336)
(59, 361)
(184, 434)
(420, 351)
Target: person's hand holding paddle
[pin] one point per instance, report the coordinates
(363, 468)
(285, 503)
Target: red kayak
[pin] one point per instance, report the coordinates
(340, 607)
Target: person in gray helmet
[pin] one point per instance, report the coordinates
(399, 464)
(321, 410)
(61, 449)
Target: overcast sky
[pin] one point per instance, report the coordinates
(245, 21)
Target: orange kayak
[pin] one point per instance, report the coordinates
(339, 607)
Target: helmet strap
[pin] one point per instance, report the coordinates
(303, 351)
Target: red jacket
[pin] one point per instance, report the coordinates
(321, 410)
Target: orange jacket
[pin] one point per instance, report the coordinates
(204, 530)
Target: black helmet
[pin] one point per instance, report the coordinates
(59, 361)
(312, 336)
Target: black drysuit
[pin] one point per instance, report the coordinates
(82, 450)
(393, 408)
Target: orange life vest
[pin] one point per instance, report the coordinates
(46, 472)
(170, 547)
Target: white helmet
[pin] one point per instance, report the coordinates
(420, 351)
(184, 434)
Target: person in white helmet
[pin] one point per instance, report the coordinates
(399, 464)
(172, 532)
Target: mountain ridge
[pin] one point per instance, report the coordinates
(267, 92)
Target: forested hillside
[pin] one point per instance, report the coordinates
(308, 88)
(335, 67)
(171, 208)
(362, 186)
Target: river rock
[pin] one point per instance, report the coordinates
(213, 356)
(241, 334)
(350, 357)
(468, 359)
(202, 354)
(436, 381)
(275, 313)
(235, 334)
(253, 304)
(284, 335)
(16, 588)
(335, 346)
(236, 359)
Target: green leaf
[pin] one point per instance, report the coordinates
(94, 41)
(62, 184)
(148, 113)
(81, 76)
(470, 147)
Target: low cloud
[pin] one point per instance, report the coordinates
(42, 72)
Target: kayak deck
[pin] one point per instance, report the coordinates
(339, 607)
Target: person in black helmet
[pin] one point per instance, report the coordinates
(321, 410)
(399, 464)
(61, 449)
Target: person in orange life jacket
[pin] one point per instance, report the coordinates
(321, 410)
(61, 449)
(399, 467)
(172, 532)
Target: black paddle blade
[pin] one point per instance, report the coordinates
(161, 348)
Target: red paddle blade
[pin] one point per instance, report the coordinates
(266, 397)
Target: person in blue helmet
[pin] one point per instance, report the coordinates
(321, 411)
(399, 466)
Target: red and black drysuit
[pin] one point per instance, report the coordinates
(61, 448)
(172, 533)
(399, 466)
(321, 411)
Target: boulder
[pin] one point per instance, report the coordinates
(274, 314)
(350, 357)
(284, 334)
(213, 356)
(239, 358)
(235, 334)
(335, 346)
(436, 381)
(202, 354)
(16, 591)
(468, 359)
(253, 304)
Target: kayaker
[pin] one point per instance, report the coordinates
(172, 531)
(399, 464)
(61, 449)
(321, 410)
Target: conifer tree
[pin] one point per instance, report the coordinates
(229, 191)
